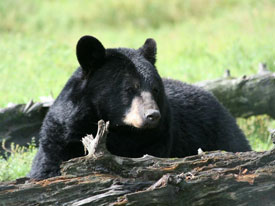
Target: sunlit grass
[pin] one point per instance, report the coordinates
(197, 40)
(16, 162)
(257, 130)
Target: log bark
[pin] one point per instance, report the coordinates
(19, 123)
(245, 96)
(100, 178)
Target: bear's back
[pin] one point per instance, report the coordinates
(200, 121)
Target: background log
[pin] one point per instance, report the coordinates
(214, 178)
(243, 97)
(19, 123)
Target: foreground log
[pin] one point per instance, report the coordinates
(243, 97)
(100, 178)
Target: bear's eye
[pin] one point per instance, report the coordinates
(130, 90)
(137, 86)
(155, 90)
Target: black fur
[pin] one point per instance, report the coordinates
(103, 88)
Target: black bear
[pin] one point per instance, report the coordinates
(147, 114)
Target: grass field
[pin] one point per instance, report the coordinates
(197, 40)
(17, 163)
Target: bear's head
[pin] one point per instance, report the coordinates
(122, 85)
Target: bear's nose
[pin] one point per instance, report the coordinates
(152, 116)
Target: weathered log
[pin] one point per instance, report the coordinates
(243, 97)
(211, 178)
(19, 123)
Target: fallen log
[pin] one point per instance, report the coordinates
(243, 97)
(100, 178)
(246, 96)
(19, 123)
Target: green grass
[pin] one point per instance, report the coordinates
(197, 40)
(16, 162)
(257, 130)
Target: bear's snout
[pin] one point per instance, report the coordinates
(152, 117)
(143, 112)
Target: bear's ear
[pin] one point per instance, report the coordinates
(90, 53)
(149, 50)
